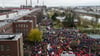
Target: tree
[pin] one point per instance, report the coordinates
(69, 20)
(62, 14)
(35, 35)
(54, 16)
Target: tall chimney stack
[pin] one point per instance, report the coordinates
(26, 2)
(31, 2)
(37, 2)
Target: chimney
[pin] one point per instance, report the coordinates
(37, 1)
(31, 2)
(26, 2)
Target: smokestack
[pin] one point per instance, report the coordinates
(26, 2)
(31, 2)
(37, 1)
(43, 2)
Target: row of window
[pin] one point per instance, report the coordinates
(21, 30)
(4, 47)
(21, 25)
(5, 55)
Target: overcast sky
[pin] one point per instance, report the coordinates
(51, 2)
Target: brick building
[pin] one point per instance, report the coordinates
(11, 45)
(30, 17)
(22, 26)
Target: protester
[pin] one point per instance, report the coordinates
(57, 42)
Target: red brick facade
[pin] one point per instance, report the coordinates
(30, 17)
(15, 47)
(22, 27)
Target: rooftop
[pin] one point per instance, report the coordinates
(88, 12)
(21, 13)
(95, 36)
(17, 15)
(10, 36)
(23, 21)
(3, 23)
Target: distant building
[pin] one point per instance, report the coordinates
(22, 26)
(11, 45)
(5, 27)
(24, 6)
(31, 17)
(38, 6)
(39, 15)
(4, 10)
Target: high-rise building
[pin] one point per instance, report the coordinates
(11, 44)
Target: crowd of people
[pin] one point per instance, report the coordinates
(63, 42)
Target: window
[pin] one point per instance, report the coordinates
(2, 55)
(1, 47)
(26, 25)
(5, 55)
(7, 47)
(4, 47)
(17, 30)
(21, 25)
(8, 55)
(16, 25)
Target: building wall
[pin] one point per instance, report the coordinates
(21, 47)
(30, 17)
(33, 18)
(22, 27)
(15, 47)
(12, 46)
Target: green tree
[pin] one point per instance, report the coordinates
(69, 20)
(62, 14)
(35, 35)
(54, 17)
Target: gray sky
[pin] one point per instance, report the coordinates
(51, 2)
